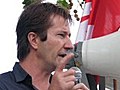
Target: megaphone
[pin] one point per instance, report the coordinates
(101, 56)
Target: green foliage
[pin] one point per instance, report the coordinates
(28, 2)
(63, 3)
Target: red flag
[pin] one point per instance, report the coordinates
(105, 16)
(100, 17)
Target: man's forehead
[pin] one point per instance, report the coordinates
(59, 18)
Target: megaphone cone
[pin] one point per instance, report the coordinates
(101, 56)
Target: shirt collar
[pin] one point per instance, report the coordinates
(21, 75)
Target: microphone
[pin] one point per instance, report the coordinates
(78, 75)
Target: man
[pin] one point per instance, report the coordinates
(43, 39)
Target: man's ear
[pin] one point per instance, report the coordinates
(33, 39)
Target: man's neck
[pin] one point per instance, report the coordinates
(40, 77)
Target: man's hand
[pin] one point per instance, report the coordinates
(80, 86)
(65, 80)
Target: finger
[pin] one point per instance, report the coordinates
(80, 86)
(70, 78)
(69, 72)
(63, 62)
(70, 85)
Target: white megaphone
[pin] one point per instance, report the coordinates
(101, 56)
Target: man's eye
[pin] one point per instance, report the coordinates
(62, 35)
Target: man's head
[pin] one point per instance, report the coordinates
(36, 18)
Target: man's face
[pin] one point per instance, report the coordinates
(58, 42)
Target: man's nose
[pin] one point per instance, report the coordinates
(69, 45)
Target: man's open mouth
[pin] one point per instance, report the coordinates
(62, 55)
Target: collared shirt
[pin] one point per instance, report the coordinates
(17, 79)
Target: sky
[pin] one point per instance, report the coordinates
(10, 11)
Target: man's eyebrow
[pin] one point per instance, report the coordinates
(69, 34)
